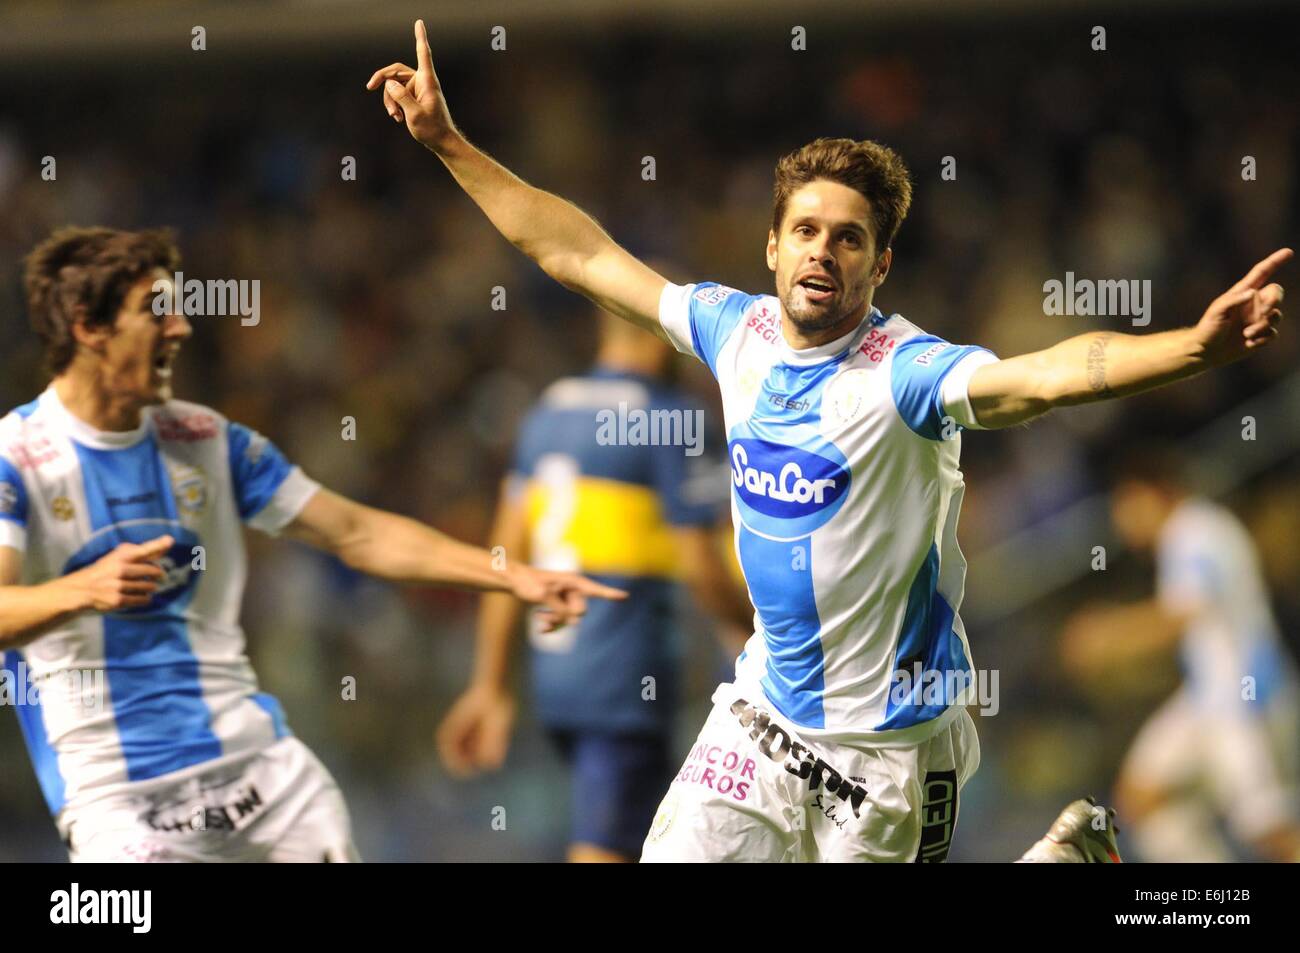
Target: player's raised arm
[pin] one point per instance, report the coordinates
(1104, 364)
(564, 241)
(400, 549)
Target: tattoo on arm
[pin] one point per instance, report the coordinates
(1097, 365)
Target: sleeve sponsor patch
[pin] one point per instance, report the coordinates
(930, 354)
(714, 296)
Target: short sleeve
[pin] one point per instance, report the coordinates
(13, 507)
(269, 491)
(699, 318)
(921, 367)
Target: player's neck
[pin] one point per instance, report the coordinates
(801, 340)
(94, 407)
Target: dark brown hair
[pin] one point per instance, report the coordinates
(85, 274)
(876, 171)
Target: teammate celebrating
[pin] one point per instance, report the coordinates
(1224, 744)
(844, 435)
(122, 571)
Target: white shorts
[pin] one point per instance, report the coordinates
(752, 789)
(1244, 764)
(279, 805)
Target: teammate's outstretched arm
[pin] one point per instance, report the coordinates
(1104, 364)
(124, 578)
(565, 241)
(394, 547)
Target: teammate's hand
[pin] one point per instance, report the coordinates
(561, 597)
(415, 96)
(1088, 643)
(125, 578)
(1246, 316)
(475, 735)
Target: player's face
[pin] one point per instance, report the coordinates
(825, 258)
(1137, 511)
(137, 357)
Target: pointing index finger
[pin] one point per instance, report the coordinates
(592, 588)
(423, 57)
(1257, 276)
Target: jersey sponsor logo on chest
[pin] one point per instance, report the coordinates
(787, 486)
(876, 345)
(786, 491)
(764, 322)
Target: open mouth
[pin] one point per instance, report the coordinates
(162, 365)
(817, 289)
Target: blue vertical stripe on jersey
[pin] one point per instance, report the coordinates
(927, 637)
(32, 722)
(781, 581)
(780, 573)
(163, 722)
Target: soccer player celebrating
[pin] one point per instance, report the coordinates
(122, 570)
(843, 428)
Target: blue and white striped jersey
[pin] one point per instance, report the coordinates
(845, 496)
(126, 697)
(1232, 651)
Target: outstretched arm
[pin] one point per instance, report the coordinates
(1104, 364)
(403, 550)
(1101, 638)
(564, 241)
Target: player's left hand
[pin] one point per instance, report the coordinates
(1246, 316)
(560, 596)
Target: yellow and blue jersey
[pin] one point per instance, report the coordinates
(606, 466)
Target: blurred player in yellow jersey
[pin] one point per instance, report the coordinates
(611, 475)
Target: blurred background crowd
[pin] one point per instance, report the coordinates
(376, 298)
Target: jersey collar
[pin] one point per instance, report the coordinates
(87, 435)
(804, 357)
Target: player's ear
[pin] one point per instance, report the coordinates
(87, 335)
(771, 250)
(881, 271)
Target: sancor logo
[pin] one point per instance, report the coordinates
(785, 482)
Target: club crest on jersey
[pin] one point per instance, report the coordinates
(190, 488)
(785, 492)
